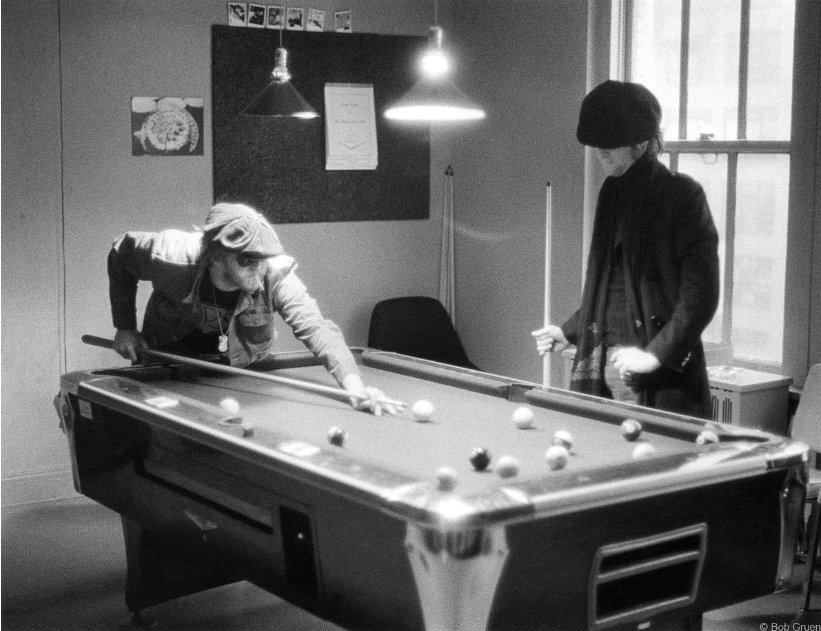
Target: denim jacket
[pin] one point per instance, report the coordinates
(174, 263)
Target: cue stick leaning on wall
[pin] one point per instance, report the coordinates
(338, 393)
(548, 229)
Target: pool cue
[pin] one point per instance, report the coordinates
(548, 229)
(447, 293)
(339, 393)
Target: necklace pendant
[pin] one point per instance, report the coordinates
(223, 343)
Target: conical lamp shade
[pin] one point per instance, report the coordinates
(434, 100)
(280, 98)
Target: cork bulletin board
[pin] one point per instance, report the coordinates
(277, 165)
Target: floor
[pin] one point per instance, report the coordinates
(63, 568)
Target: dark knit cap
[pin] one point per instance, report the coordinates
(240, 228)
(618, 114)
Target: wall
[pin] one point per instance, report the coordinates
(73, 186)
(525, 60)
(32, 446)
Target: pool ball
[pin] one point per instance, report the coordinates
(557, 456)
(446, 479)
(336, 436)
(563, 438)
(480, 458)
(230, 405)
(422, 410)
(507, 467)
(631, 429)
(523, 417)
(643, 450)
(706, 437)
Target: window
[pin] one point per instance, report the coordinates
(723, 72)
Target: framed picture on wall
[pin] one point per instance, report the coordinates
(237, 14)
(256, 15)
(295, 19)
(342, 21)
(316, 20)
(166, 126)
(276, 16)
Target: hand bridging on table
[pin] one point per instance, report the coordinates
(631, 360)
(129, 343)
(369, 399)
(550, 339)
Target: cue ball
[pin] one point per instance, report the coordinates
(643, 450)
(563, 438)
(557, 456)
(446, 479)
(422, 410)
(480, 458)
(631, 429)
(230, 405)
(706, 437)
(523, 417)
(336, 436)
(507, 467)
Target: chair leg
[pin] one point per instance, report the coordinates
(812, 551)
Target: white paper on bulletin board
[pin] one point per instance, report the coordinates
(350, 127)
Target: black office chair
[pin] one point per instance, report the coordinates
(806, 427)
(418, 326)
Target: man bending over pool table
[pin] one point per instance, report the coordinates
(215, 291)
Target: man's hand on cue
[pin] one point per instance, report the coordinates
(369, 399)
(129, 343)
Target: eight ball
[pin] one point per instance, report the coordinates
(480, 458)
(336, 436)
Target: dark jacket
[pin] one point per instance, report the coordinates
(671, 270)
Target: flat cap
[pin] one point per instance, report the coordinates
(618, 114)
(240, 228)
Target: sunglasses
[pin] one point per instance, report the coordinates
(248, 261)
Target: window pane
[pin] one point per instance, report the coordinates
(656, 61)
(769, 95)
(760, 257)
(710, 170)
(712, 98)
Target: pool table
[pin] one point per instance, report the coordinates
(370, 535)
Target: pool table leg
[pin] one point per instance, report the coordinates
(162, 566)
(456, 574)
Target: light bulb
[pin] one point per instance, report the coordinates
(434, 63)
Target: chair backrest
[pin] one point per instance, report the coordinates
(806, 423)
(418, 326)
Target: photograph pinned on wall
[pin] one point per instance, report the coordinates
(295, 19)
(256, 15)
(316, 20)
(166, 126)
(237, 14)
(342, 21)
(275, 16)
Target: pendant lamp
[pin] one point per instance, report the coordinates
(280, 97)
(434, 97)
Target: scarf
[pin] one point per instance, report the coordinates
(623, 212)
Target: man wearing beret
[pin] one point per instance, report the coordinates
(216, 291)
(652, 279)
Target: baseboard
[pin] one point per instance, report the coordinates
(37, 487)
